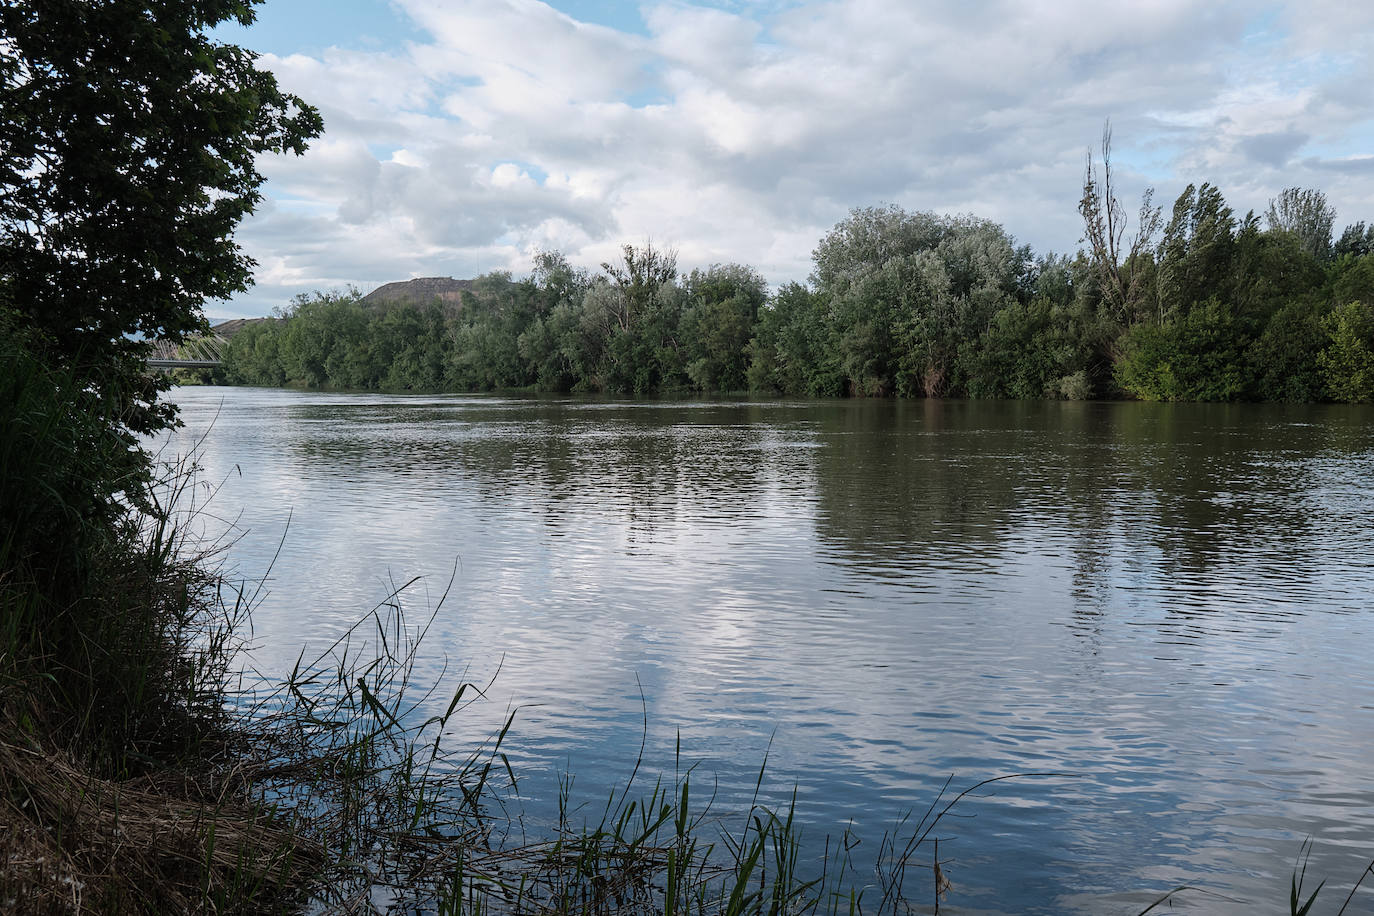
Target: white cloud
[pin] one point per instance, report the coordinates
(746, 135)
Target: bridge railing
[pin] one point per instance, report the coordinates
(206, 352)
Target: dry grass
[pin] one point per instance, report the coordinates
(73, 842)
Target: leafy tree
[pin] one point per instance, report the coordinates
(252, 357)
(723, 307)
(1195, 252)
(1033, 350)
(907, 290)
(486, 335)
(1357, 241)
(1270, 269)
(792, 351)
(552, 345)
(639, 278)
(631, 318)
(419, 344)
(1306, 215)
(320, 331)
(1348, 361)
(558, 281)
(1356, 282)
(926, 317)
(128, 148)
(1051, 277)
(544, 348)
(1196, 356)
(1285, 356)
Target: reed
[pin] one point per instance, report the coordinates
(408, 823)
(121, 785)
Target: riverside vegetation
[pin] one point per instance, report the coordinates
(1203, 306)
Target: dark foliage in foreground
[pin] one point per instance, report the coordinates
(128, 148)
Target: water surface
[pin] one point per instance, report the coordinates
(1170, 602)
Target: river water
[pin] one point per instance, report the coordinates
(1170, 604)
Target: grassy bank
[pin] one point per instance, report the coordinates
(120, 768)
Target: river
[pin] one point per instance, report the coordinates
(1168, 604)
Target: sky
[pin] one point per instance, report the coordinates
(464, 136)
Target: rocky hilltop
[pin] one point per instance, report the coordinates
(420, 291)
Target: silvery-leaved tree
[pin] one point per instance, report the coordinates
(1305, 213)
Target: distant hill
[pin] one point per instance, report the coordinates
(232, 326)
(420, 291)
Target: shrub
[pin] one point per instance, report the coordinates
(1198, 356)
(1347, 362)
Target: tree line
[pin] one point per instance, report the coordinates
(1199, 306)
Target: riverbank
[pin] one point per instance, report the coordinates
(917, 305)
(122, 789)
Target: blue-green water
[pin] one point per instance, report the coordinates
(1170, 602)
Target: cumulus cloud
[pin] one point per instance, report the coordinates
(745, 133)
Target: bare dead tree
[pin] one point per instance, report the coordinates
(1104, 229)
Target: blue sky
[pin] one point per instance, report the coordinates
(463, 136)
(311, 26)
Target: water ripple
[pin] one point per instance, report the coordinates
(1169, 604)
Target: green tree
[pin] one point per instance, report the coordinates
(639, 278)
(723, 306)
(1285, 356)
(907, 291)
(128, 148)
(1270, 269)
(321, 336)
(1305, 214)
(1196, 356)
(1195, 252)
(1348, 360)
(1357, 240)
(558, 281)
(552, 345)
(1033, 350)
(792, 351)
(1355, 282)
(631, 318)
(251, 356)
(486, 334)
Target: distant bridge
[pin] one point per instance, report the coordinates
(205, 352)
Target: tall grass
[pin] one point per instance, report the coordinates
(409, 823)
(120, 789)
